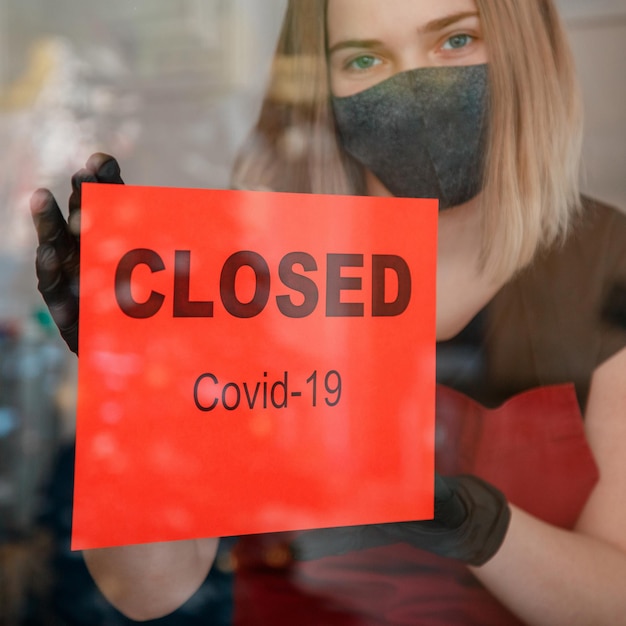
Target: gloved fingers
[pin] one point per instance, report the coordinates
(443, 491)
(105, 168)
(80, 177)
(100, 168)
(51, 227)
(58, 255)
(480, 535)
(60, 293)
(53, 231)
(322, 542)
(449, 509)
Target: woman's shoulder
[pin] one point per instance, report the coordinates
(599, 223)
(593, 250)
(554, 322)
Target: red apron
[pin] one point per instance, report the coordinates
(533, 448)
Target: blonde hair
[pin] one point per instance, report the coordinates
(530, 189)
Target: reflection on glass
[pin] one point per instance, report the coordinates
(531, 316)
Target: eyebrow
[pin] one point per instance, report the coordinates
(354, 43)
(430, 27)
(443, 22)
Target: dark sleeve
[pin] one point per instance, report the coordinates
(612, 305)
(565, 314)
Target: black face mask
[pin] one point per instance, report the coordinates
(421, 132)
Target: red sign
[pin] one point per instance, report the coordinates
(252, 362)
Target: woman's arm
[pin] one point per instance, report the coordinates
(151, 580)
(547, 575)
(143, 581)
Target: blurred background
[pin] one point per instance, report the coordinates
(171, 87)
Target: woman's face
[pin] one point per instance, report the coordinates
(371, 40)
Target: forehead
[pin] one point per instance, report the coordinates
(384, 18)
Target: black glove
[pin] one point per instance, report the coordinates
(58, 254)
(470, 523)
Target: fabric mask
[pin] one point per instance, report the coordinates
(421, 132)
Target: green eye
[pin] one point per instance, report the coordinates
(363, 62)
(457, 41)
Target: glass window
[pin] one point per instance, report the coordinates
(471, 102)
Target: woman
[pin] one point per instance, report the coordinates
(525, 277)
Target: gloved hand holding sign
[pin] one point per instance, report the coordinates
(470, 523)
(58, 253)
